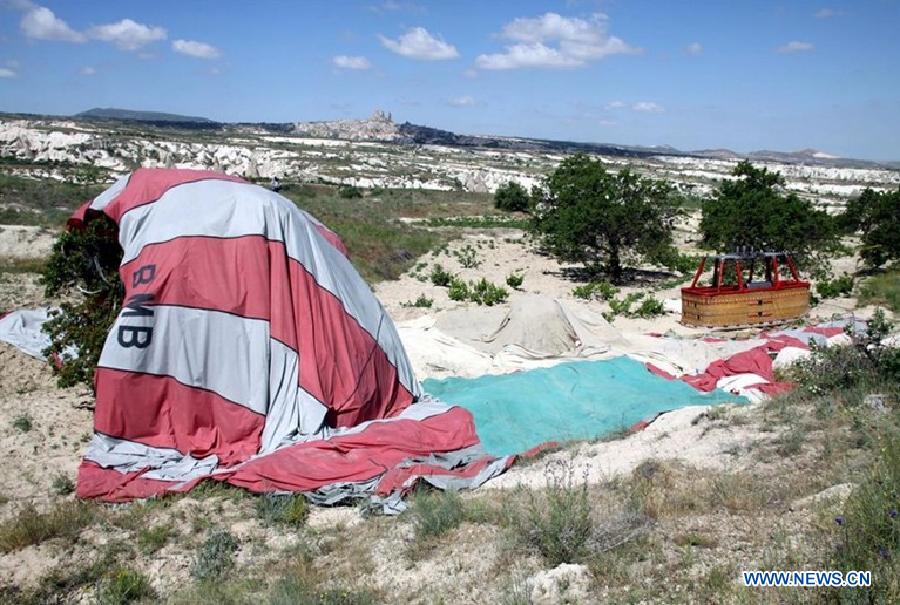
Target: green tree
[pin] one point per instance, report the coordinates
(511, 197)
(754, 210)
(877, 215)
(594, 216)
(84, 271)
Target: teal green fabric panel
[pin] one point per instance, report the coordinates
(572, 400)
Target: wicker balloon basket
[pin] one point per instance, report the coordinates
(743, 308)
(745, 290)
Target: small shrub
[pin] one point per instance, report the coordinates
(436, 512)
(515, 280)
(459, 290)
(440, 276)
(151, 539)
(622, 306)
(850, 370)
(840, 286)
(558, 526)
(468, 257)
(216, 556)
(124, 586)
(487, 293)
(291, 510)
(511, 197)
(422, 302)
(349, 192)
(23, 423)
(62, 485)
(602, 289)
(650, 307)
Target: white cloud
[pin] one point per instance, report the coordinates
(694, 48)
(198, 50)
(464, 101)
(418, 43)
(127, 34)
(648, 107)
(87, 71)
(615, 105)
(350, 62)
(6, 72)
(795, 46)
(527, 55)
(553, 41)
(470, 73)
(825, 13)
(606, 123)
(40, 23)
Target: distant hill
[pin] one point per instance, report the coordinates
(111, 113)
(381, 127)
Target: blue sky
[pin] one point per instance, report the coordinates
(743, 75)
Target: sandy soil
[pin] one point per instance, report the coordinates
(25, 241)
(61, 423)
(685, 434)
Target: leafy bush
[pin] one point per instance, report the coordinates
(289, 510)
(459, 289)
(852, 369)
(559, 524)
(124, 586)
(515, 280)
(216, 556)
(436, 512)
(349, 192)
(601, 289)
(422, 302)
(484, 292)
(62, 485)
(650, 307)
(440, 276)
(83, 270)
(840, 286)
(622, 306)
(511, 197)
(467, 257)
(23, 423)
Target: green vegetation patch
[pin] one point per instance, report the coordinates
(46, 202)
(65, 520)
(883, 289)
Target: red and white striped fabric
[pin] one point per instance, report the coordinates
(249, 350)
